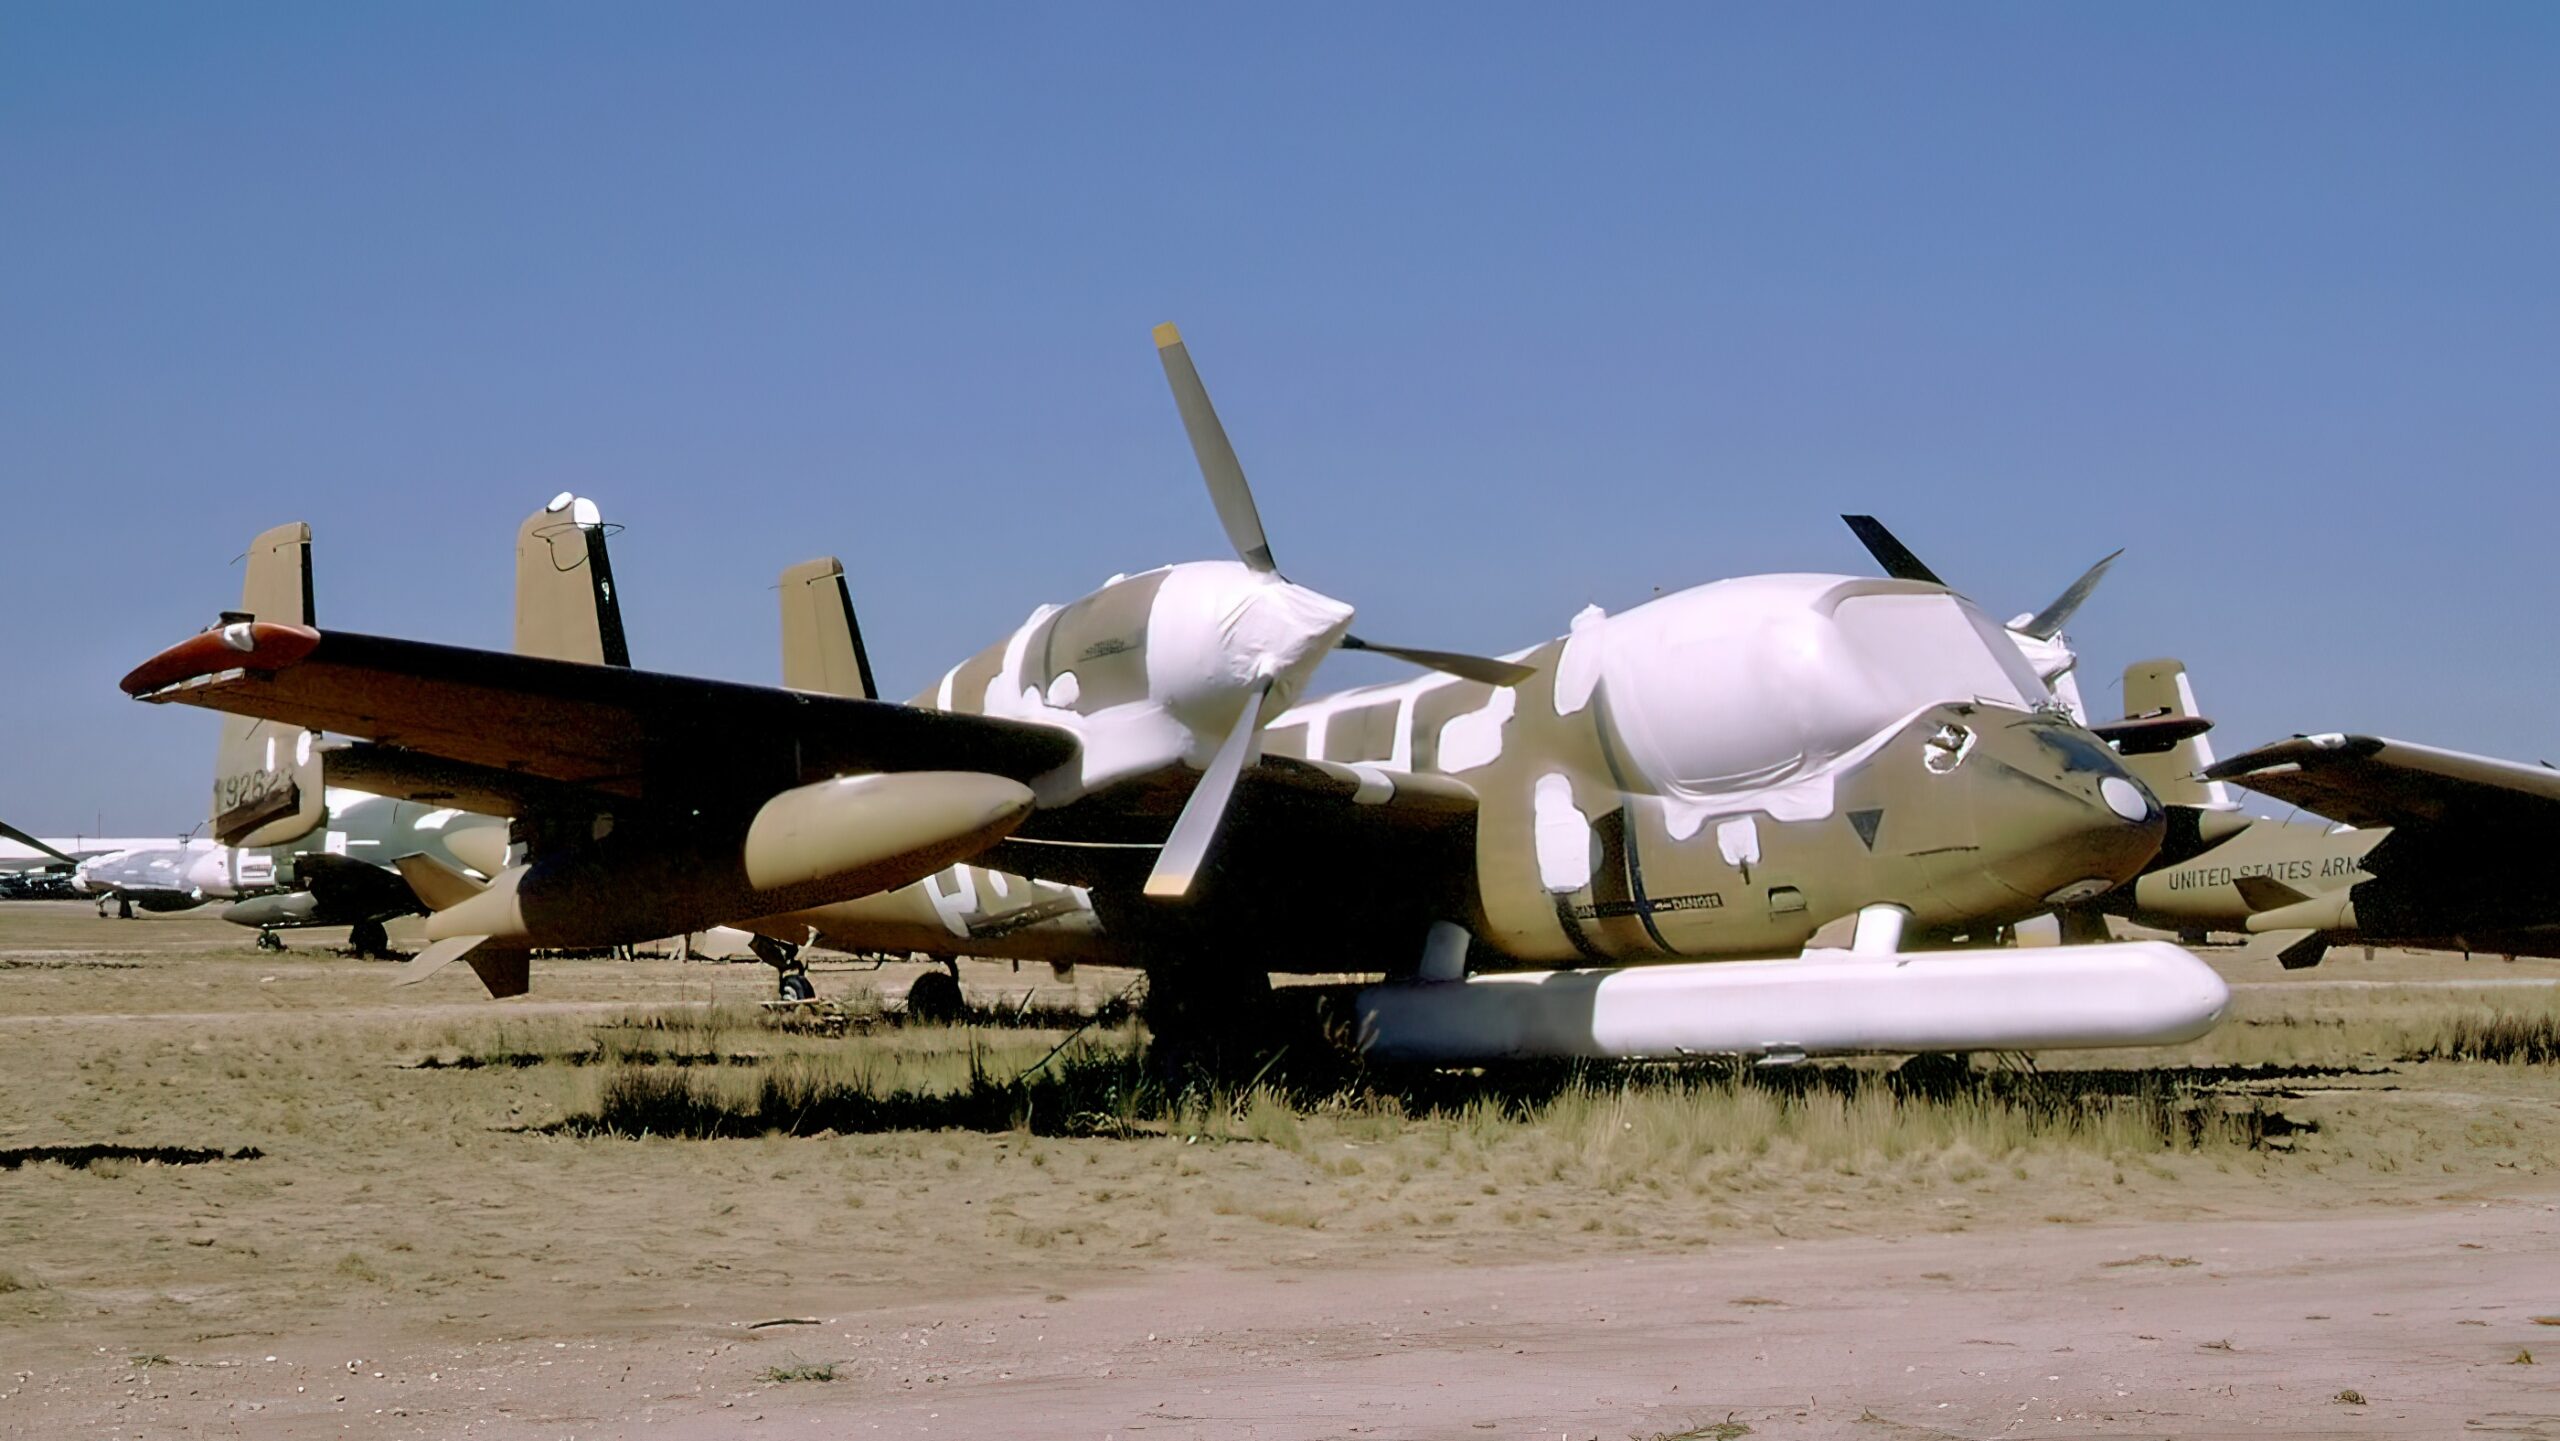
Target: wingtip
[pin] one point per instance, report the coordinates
(244, 645)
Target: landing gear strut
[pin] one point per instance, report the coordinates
(270, 941)
(369, 940)
(791, 974)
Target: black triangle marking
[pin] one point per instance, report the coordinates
(1865, 823)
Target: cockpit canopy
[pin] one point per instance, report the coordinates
(1750, 683)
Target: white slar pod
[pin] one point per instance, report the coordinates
(2125, 993)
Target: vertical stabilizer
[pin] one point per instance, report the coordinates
(2175, 775)
(266, 774)
(566, 606)
(821, 641)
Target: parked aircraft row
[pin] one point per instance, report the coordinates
(1560, 851)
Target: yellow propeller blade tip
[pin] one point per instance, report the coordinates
(1167, 336)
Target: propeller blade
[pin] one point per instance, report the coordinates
(1196, 829)
(1890, 552)
(32, 843)
(2048, 622)
(1218, 464)
(1468, 667)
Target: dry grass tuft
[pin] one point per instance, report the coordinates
(799, 1370)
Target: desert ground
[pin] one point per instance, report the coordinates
(246, 1194)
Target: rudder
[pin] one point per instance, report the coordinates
(2175, 775)
(566, 605)
(822, 647)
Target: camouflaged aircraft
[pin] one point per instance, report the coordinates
(1536, 851)
(2424, 847)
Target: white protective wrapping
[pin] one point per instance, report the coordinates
(1751, 694)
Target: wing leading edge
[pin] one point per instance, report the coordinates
(2374, 781)
(620, 731)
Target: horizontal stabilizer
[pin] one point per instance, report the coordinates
(2150, 734)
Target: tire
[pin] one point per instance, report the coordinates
(368, 938)
(936, 997)
(270, 941)
(1208, 1021)
(795, 986)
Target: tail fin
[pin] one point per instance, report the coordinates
(566, 606)
(2176, 774)
(266, 774)
(821, 641)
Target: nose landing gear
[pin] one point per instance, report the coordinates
(791, 974)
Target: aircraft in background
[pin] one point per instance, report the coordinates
(2420, 847)
(33, 868)
(1716, 773)
(2435, 848)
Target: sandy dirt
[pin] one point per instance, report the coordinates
(418, 1251)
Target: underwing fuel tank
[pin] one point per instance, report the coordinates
(2125, 993)
(810, 846)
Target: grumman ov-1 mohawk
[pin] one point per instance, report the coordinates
(1537, 851)
(2430, 848)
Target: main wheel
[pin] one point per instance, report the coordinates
(368, 938)
(1208, 1018)
(795, 986)
(936, 997)
(270, 941)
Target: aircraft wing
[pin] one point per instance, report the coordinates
(2373, 781)
(552, 723)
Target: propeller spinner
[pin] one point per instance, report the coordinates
(1194, 831)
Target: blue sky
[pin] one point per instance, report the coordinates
(1509, 309)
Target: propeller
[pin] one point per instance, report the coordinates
(1243, 520)
(1195, 831)
(1890, 552)
(2048, 622)
(1471, 667)
(2039, 636)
